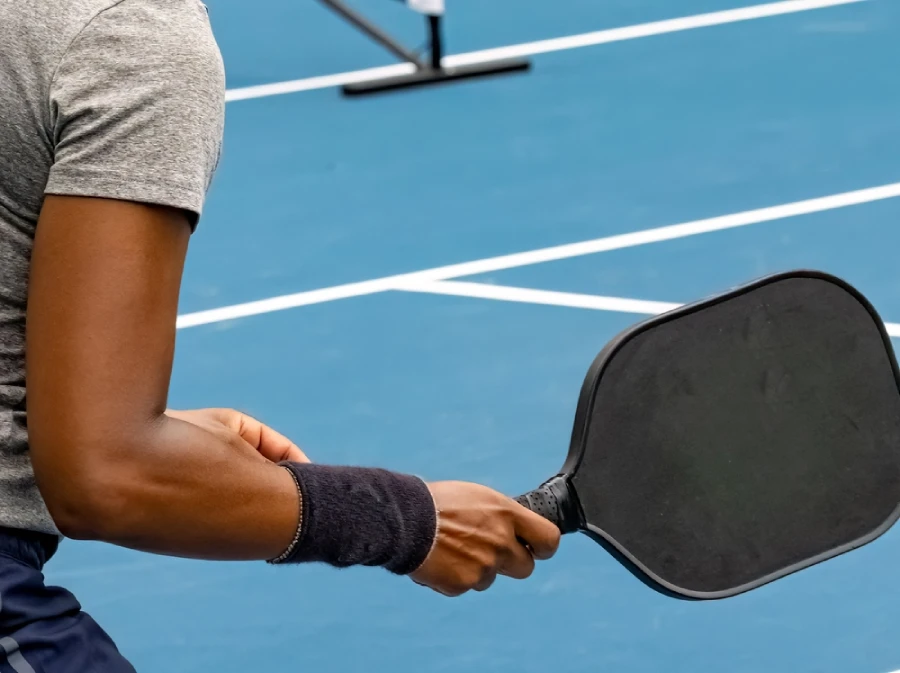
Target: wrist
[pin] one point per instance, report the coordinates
(361, 516)
(290, 548)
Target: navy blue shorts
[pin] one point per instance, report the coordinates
(42, 628)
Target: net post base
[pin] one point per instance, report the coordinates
(432, 76)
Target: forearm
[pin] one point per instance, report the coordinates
(180, 490)
(194, 492)
(111, 465)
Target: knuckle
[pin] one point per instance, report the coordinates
(445, 587)
(554, 541)
(505, 537)
(471, 578)
(527, 568)
(549, 545)
(486, 562)
(522, 570)
(458, 590)
(486, 583)
(225, 416)
(233, 439)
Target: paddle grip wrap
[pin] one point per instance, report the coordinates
(554, 501)
(355, 516)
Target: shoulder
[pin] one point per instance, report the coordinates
(140, 93)
(59, 25)
(160, 36)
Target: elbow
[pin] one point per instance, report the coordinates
(74, 522)
(82, 516)
(89, 510)
(86, 503)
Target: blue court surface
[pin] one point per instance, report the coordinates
(416, 374)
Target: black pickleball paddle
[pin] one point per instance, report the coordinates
(736, 440)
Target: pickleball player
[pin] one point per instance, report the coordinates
(111, 123)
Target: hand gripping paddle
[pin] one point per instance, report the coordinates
(734, 441)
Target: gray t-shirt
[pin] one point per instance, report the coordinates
(117, 99)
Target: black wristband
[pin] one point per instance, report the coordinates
(362, 516)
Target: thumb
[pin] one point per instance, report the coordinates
(271, 445)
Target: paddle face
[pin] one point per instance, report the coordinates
(729, 443)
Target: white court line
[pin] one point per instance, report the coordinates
(666, 233)
(524, 295)
(543, 46)
(554, 253)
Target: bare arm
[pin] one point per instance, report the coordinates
(110, 463)
(114, 465)
(141, 125)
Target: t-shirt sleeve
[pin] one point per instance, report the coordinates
(138, 105)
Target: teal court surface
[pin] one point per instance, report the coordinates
(420, 280)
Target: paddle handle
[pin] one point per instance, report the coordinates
(555, 501)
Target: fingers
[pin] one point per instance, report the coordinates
(483, 535)
(276, 447)
(268, 443)
(271, 444)
(517, 563)
(486, 582)
(538, 533)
